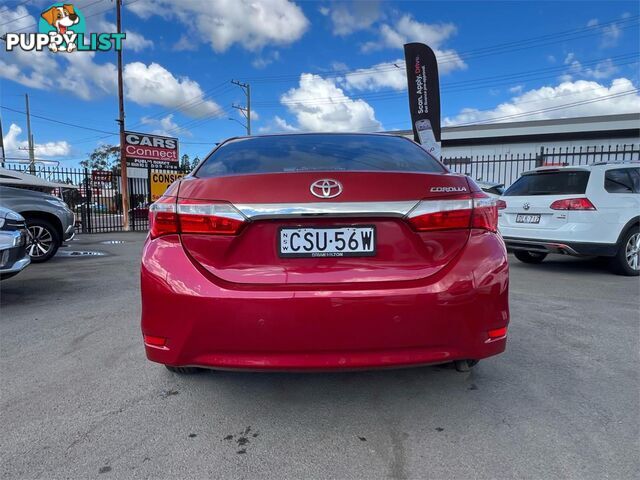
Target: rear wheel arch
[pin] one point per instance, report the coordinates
(634, 222)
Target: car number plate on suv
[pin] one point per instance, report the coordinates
(327, 242)
(526, 218)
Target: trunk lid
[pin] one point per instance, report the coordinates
(275, 201)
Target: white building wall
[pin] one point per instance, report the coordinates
(533, 148)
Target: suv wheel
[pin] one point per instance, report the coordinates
(42, 240)
(529, 257)
(627, 260)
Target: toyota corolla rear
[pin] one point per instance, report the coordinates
(323, 251)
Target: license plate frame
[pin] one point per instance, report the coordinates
(341, 254)
(528, 218)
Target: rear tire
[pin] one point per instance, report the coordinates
(627, 260)
(184, 370)
(529, 257)
(43, 240)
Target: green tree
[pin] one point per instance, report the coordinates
(104, 157)
(196, 161)
(185, 163)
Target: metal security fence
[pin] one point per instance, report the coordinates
(506, 169)
(95, 195)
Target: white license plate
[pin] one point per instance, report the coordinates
(525, 218)
(327, 242)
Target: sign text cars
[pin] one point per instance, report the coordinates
(142, 149)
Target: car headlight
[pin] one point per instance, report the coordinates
(1, 222)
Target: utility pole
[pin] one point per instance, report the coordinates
(124, 182)
(3, 157)
(32, 159)
(246, 111)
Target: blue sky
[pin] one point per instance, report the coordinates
(314, 66)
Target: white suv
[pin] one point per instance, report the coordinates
(581, 210)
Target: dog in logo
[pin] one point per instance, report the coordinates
(61, 18)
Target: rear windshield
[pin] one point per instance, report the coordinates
(549, 183)
(317, 152)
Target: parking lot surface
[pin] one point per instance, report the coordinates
(80, 400)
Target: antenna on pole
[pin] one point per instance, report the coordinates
(246, 111)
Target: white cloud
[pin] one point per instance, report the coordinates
(349, 17)
(155, 85)
(603, 69)
(556, 97)
(382, 75)
(185, 44)
(406, 30)
(517, 89)
(264, 61)
(165, 126)
(134, 41)
(14, 147)
(611, 33)
(278, 125)
(223, 23)
(320, 106)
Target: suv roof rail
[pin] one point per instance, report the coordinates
(616, 162)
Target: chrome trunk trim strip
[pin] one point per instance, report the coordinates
(326, 209)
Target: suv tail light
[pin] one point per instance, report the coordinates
(476, 211)
(167, 216)
(573, 204)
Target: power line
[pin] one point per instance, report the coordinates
(550, 109)
(476, 53)
(53, 120)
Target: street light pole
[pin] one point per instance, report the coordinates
(124, 182)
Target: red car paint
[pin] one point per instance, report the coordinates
(435, 291)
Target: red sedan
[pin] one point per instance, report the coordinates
(320, 252)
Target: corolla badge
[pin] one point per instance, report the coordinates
(326, 188)
(447, 189)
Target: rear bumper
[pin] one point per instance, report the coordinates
(565, 248)
(210, 324)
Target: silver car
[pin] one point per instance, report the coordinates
(49, 220)
(13, 243)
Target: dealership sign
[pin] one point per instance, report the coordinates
(160, 181)
(142, 149)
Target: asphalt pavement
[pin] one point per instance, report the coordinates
(80, 400)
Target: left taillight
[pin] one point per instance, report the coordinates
(475, 211)
(168, 216)
(163, 218)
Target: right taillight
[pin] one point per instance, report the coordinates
(501, 204)
(573, 204)
(478, 211)
(167, 216)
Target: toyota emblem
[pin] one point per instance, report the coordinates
(326, 188)
(526, 206)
